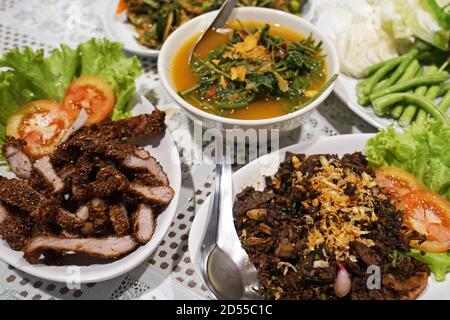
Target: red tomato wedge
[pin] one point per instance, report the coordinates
(429, 214)
(91, 93)
(41, 124)
(121, 7)
(425, 211)
(396, 181)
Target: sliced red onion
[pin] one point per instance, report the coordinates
(343, 283)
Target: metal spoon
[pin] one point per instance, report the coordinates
(219, 21)
(224, 263)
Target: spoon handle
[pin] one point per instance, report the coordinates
(224, 14)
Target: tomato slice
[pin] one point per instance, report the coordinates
(396, 182)
(41, 124)
(429, 214)
(91, 93)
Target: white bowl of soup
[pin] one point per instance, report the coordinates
(266, 69)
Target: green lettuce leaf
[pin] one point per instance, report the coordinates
(422, 150)
(439, 263)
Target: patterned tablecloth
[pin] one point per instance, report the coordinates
(169, 273)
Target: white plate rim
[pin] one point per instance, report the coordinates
(112, 269)
(440, 290)
(109, 12)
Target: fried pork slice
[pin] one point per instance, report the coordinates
(70, 222)
(160, 195)
(108, 181)
(149, 165)
(79, 122)
(142, 125)
(45, 169)
(4, 212)
(19, 193)
(143, 224)
(98, 218)
(16, 230)
(19, 162)
(119, 219)
(406, 289)
(105, 248)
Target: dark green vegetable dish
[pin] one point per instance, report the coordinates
(155, 19)
(255, 71)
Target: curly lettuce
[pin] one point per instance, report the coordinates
(439, 263)
(422, 150)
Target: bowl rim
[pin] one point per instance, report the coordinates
(164, 65)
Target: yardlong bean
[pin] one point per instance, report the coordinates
(411, 84)
(381, 105)
(411, 110)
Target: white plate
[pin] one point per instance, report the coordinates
(252, 175)
(165, 151)
(118, 29)
(332, 17)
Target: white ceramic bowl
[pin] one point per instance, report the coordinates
(199, 24)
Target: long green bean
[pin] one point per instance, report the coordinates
(373, 68)
(378, 75)
(413, 69)
(445, 102)
(411, 110)
(411, 84)
(406, 70)
(381, 105)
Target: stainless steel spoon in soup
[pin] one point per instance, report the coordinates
(225, 265)
(219, 21)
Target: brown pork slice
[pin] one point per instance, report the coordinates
(143, 224)
(18, 160)
(159, 195)
(104, 248)
(16, 229)
(19, 193)
(119, 219)
(148, 164)
(45, 169)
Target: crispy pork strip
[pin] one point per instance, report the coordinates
(3, 212)
(16, 230)
(108, 180)
(143, 224)
(105, 248)
(119, 219)
(79, 122)
(45, 169)
(142, 125)
(161, 195)
(19, 193)
(69, 222)
(19, 162)
(150, 165)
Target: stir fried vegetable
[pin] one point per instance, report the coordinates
(256, 65)
(155, 20)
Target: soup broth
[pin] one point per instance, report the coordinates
(262, 106)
